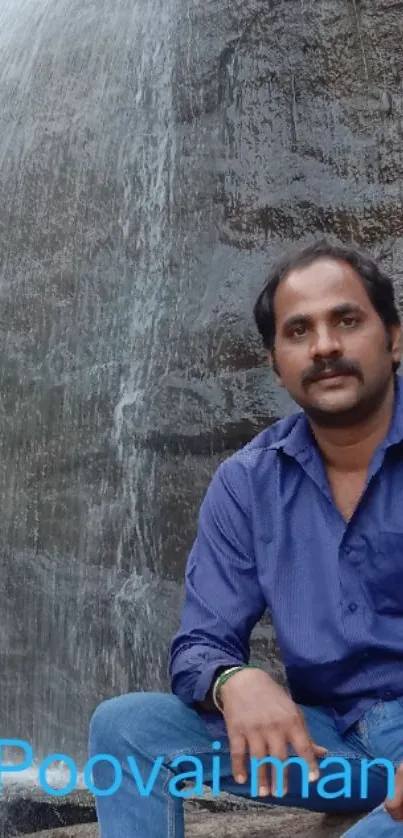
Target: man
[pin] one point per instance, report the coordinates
(307, 521)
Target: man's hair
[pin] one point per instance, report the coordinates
(378, 285)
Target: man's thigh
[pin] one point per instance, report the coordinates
(381, 730)
(346, 784)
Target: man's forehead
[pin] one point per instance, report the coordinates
(323, 285)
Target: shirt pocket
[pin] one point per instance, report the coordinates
(385, 581)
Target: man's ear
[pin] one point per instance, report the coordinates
(396, 342)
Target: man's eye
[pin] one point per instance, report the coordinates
(298, 331)
(349, 320)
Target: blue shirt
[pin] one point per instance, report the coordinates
(271, 537)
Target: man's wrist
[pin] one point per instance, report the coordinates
(219, 682)
(217, 674)
(222, 679)
(207, 703)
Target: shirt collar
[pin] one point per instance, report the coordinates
(300, 438)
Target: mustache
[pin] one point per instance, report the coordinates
(340, 366)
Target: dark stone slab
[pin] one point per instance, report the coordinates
(24, 810)
(34, 813)
(277, 823)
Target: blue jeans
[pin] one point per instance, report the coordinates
(145, 726)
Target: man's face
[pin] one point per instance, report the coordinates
(326, 325)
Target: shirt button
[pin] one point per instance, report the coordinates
(353, 606)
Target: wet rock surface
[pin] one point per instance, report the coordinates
(25, 810)
(143, 203)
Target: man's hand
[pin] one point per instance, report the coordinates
(261, 718)
(395, 805)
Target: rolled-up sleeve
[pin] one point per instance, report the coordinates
(223, 599)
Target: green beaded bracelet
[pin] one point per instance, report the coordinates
(220, 681)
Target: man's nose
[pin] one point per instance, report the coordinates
(325, 343)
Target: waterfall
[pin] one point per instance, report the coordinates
(88, 157)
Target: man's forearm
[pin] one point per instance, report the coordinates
(193, 668)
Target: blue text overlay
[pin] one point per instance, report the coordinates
(337, 781)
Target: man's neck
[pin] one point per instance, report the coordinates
(351, 449)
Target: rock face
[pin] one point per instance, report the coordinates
(154, 158)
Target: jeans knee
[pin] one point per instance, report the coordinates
(102, 724)
(135, 719)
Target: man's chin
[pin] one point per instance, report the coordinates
(333, 410)
(338, 393)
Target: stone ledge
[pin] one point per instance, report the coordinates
(272, 823)
(225, 816)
